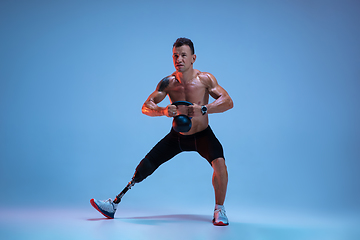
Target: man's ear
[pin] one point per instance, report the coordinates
(193, 58)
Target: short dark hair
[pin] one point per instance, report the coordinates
(184, 41)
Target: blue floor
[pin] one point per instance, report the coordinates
(170, 223)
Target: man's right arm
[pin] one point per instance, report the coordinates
(150, 106)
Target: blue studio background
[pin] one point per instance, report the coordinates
(74, 75)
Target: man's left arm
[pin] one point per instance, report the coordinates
(223, 101)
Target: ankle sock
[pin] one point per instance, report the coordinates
(217, 206)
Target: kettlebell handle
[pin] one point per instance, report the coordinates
(186, 103)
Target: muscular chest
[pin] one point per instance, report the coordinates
(193, 91)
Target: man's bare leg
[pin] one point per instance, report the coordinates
(219, 180)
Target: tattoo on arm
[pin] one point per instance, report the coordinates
(163, 84)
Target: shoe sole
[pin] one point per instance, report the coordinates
(92, 202)
(221, 223)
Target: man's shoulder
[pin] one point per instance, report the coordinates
(205, 77)
(164, 83)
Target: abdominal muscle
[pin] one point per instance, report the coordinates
(198, 124)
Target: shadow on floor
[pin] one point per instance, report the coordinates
(162, 218)
(176, 217)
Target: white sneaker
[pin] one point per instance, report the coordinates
(106, 208)
(220, 218)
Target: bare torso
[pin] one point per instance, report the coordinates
(194, 90)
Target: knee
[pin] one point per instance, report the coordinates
(219, 165)
(143, 170)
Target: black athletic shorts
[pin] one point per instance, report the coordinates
(204, 142)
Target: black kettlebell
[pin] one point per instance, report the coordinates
(181, 123)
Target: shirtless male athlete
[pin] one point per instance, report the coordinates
(185, 84)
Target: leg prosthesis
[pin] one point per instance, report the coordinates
(143, 170)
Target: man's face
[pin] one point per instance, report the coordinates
(183, 59)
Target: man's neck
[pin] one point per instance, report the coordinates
(185, 76)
